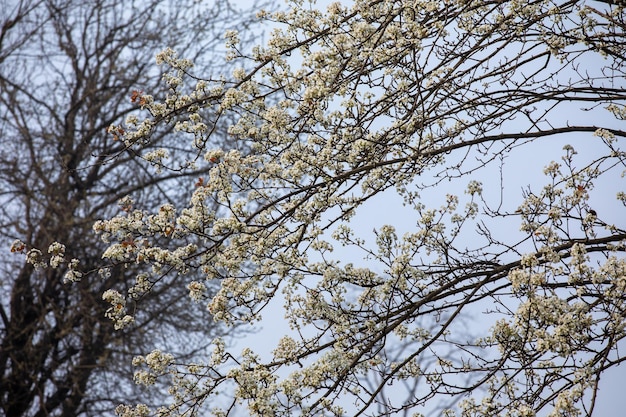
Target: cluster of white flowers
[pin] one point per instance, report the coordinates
(117, 311)
(232, 42)
(57, 252)
(197, 290)
(156, 157)
(566, 402)
(142, 286)
(157, 364)
(140, 410)
(618, 111)
(286, 348)
(73, 274)
(474, 187)
(55, 260)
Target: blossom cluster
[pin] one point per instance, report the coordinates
(117, 311)
(55, 259)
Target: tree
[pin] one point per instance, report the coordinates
(68, 70)
(425, 102)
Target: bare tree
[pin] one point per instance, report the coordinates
(68, 70)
